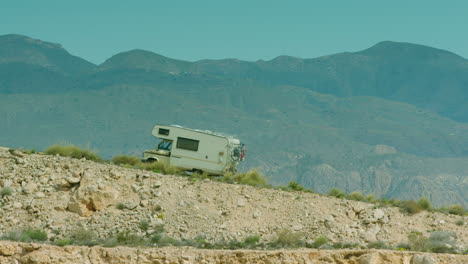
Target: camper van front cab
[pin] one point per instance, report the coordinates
(196, 150)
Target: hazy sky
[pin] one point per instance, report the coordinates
(247, 30)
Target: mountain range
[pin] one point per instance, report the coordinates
(391, 120)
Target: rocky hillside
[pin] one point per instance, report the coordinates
(11, 252)
(58, 194)
(389, 120)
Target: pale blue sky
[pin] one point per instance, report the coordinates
(247, 30)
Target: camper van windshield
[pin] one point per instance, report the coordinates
(165, 144)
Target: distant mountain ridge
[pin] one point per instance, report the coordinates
(316, 121)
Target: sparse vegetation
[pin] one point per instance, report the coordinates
(72, 151)
(456, 210)
(127, 160)
(318, 242)
(410, 207)
(251, 177)
(438, 242)
(285, 238)
(460, 222)
(6, 191)
(378, 244)
(337, 193)
(356, 196)
(143, 225)
(27, 235)
(425, 204)
(295, 186)
(120, 206)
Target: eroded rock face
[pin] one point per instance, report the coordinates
(12, 252)
(88, 199)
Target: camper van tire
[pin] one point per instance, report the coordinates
(151, 160)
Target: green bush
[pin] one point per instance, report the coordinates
(120, 206)
(64, 242)
(341, 245)
(83, 237)
(356, 196)
(123, 159)
(6, 191)
(378, 244)
(159, 167)
(371, 198)
(411, 207)
(287, 239)
(425, 204)
(251, 177)
(441, 242)
(143, 225)
(72, 152)
(318, 242)
(27, 235)
(456, 210)
(295, 186)
(437, 242)
(460, 222)
(129, 239)
(337, 193)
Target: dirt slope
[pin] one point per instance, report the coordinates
(58, 194)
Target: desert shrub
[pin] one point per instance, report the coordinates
(251, 241)
(120, 206)
(295, 186)
(27, 235)
(403, 246)
(83, 237)
(6, 191)
(337, 193)
(64, 242)
(251, 177)
(35, 234)
(410, 207)
(460, 222)
(425, 204)
(378, 244)
(72, 152)
(129, 239)
(143, 225)
(159, 167)
(417, 242)
(287, 239)
(441, 242)
(197, 175)
(371, 198)
(123, 159)
(318, 242)
(438, 242)
(356, 196)
(456, 210)
(166, 241)
(341, 245)
(396, 202)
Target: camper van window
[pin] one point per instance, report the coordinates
(188, 144)
(165, 144)
(163, 131)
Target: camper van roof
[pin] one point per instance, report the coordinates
(209, 132)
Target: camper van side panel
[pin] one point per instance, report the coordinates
(196, 150)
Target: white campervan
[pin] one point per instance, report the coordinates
(196, 150)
